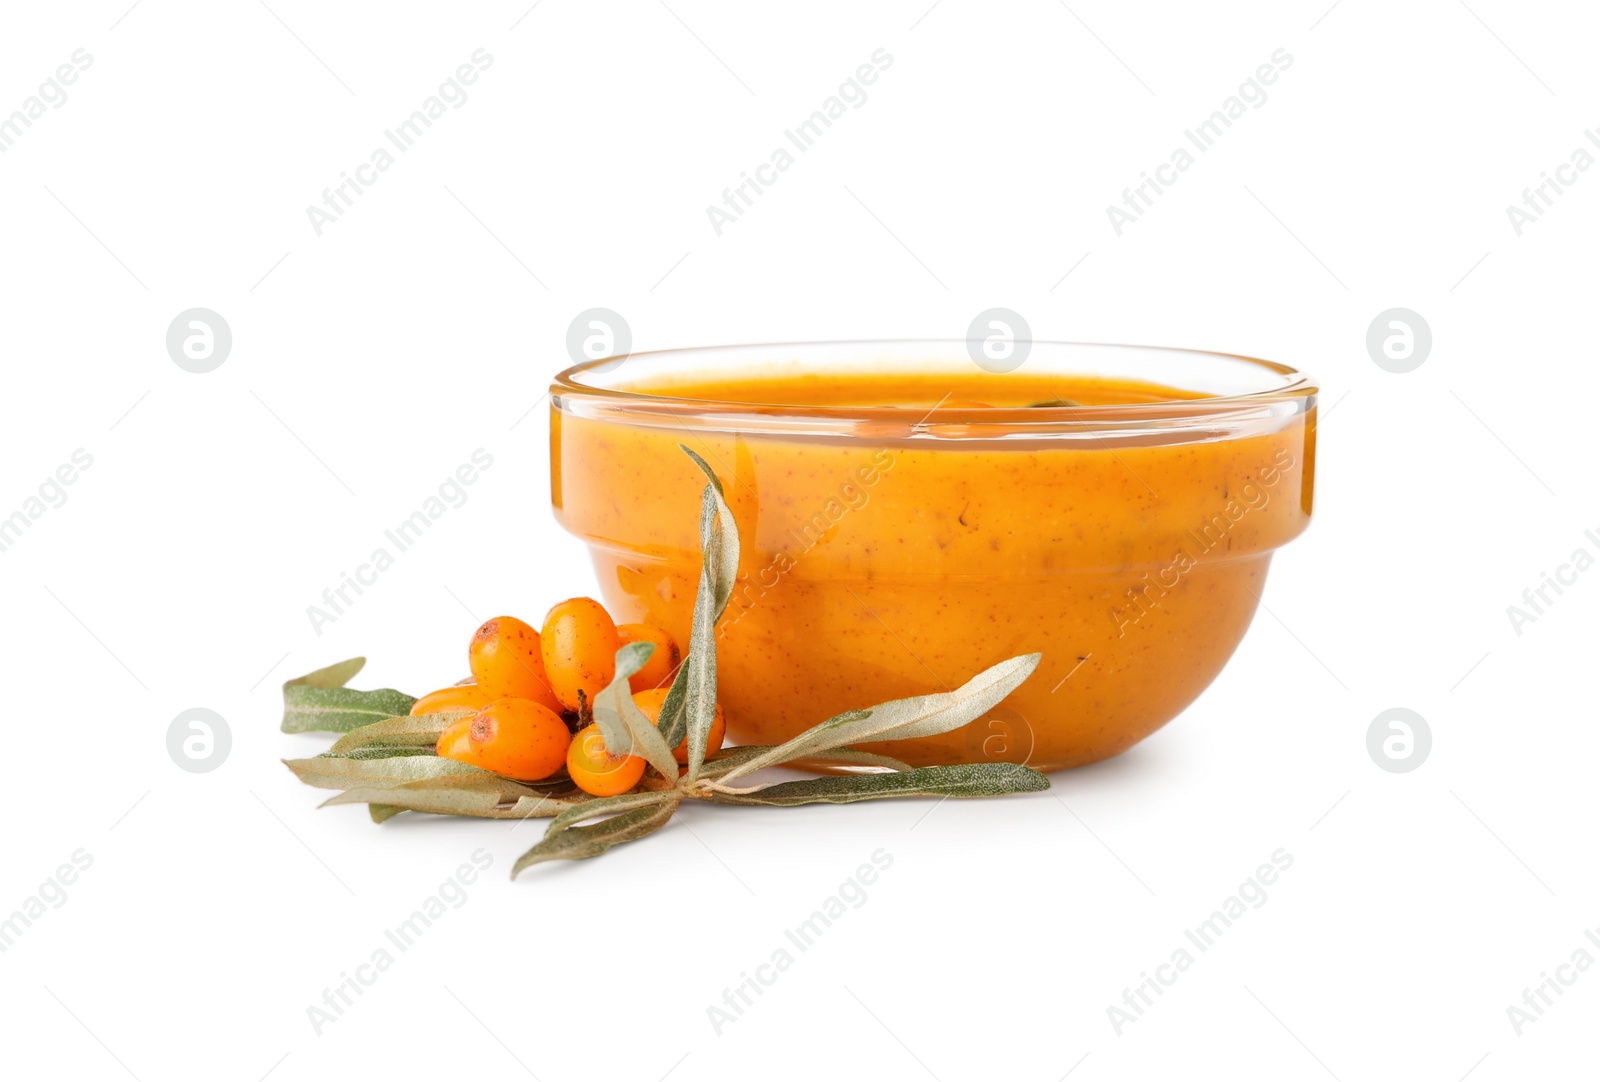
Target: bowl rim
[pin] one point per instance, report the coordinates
(1295, 393)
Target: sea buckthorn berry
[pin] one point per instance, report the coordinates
(459, 697)
(454, 742)
(596, 771)
(506, 663)
(663, 662)
(579, 647)
(517, 738)
(649, 704)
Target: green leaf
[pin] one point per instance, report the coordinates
(847, 757)
(312, 708)
(719, 574)
(581, 843)
(344, 773)
(336, 675)
(729, 758)
(700, 667)
(969, 780)
(705, 468)
(903, 719)
(483, 795)
(378, 751)
(722, 558)
(534, 807)
(383, 812)
(608, 805)
(422, 731)
(623, 725)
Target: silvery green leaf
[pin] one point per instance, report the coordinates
(623, 725)
(699, 674)
(312, 708)
(903, 719)
(728, 758)
(383, 812)
(344, 773)
(336, 675)
(850, 757)
(722, 558)
(529, 807)
(581, 843)
(701, 658)
(421, 730)
(608, 805)
(778, 754)
(481, 795)
(379, 751)
(705, 468)
(968, 780)
(719, 574)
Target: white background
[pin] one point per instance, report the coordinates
(370, 361)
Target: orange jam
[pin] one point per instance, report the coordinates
(939, 535)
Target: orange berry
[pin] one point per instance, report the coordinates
(453, 742)
(596, 771)
(505, 660)
(663, 662)
(649, 704)
(459, 697)
(579, 648)
(515, 738)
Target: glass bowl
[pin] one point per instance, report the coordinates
(893, 548)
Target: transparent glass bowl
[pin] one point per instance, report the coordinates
(889, 551)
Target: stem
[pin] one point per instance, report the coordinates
(715, 787)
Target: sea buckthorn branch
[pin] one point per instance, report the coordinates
(493, 747)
